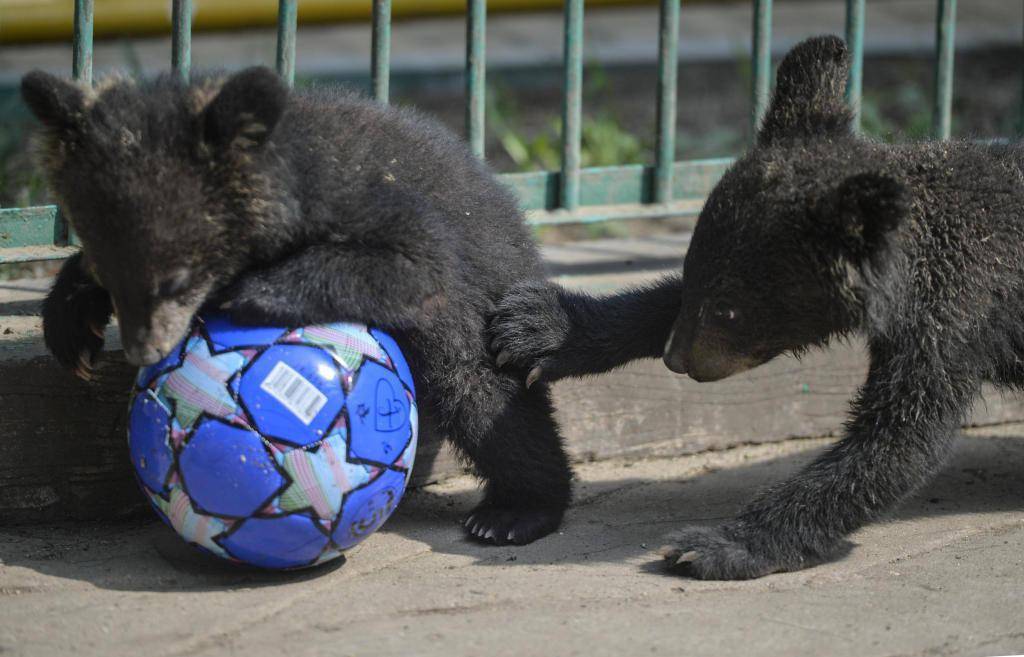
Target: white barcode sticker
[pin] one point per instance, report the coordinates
(294, 391)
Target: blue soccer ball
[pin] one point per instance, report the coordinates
(275, 447)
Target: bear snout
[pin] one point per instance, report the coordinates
(142, 354)
(674, 355)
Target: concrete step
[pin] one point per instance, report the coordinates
(63, 452)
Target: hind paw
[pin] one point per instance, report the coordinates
(505, 526)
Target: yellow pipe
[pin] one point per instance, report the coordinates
(24, 21)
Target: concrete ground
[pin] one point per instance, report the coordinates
(943, 577)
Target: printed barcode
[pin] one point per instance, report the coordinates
(296, 393)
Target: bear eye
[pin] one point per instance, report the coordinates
(174, 284)
(724, 313)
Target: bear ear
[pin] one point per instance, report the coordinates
(57, 103)
(868, 207)
(245, 111)
(809, 93)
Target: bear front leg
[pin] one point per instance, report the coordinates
(552, 333)
(904, 421)
(333, 283)
(75, 313)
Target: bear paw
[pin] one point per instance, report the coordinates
(504, 526)
(74, 318)
(715, 553)
(530, 331)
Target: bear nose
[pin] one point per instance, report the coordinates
(674, 355)
(142, 354)
(675, 362)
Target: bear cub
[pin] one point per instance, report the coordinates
(817, 233)
(301, 207)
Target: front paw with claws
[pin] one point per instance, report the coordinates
(718, 553)
(530, 330)
(75, 314)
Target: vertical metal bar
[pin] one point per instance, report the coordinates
(81, 63)
(81, 70)
(380, 57)
(181, 38)
(668, 60)
(762, 61)
(476, 71)
(945, 26)
(572, 105)
(287, 17)
(1020, 119)
(855, 45)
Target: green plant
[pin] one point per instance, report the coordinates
(909, 102)
(603, 141)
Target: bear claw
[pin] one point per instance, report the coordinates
(503, 526)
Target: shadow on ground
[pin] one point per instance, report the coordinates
(621, 513)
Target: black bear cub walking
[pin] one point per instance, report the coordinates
(299, 208)
(816, 233)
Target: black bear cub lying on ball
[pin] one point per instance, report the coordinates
(301, 208)
(816, 233)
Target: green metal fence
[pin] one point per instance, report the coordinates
(571, 195)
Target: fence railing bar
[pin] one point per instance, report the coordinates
(81, 70)
(1020, 118)
(287, 18)
(572, 105)
(81, 62)
(668, 63)
(762, 61)
(476, 72)
(945, 30)
(855, 44)
(380, 50)
(181, 38)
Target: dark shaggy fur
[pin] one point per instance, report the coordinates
(298, 208)
(815, 234)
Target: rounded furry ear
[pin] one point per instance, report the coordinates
(245, 111)
(868, 208)
(809, 92)
(55, 102)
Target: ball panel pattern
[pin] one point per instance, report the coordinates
(151, 454)
(366, 508)
(394, 353)
(279, 542)
(195, 527)
(225, 336)
(227, 471)
(319, 478)
(199, 385)
(378, 414)
(350, 343)
(292, 392)
(248, 477)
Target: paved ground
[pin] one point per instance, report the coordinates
(943, 578)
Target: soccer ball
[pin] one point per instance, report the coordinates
(275, 447)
